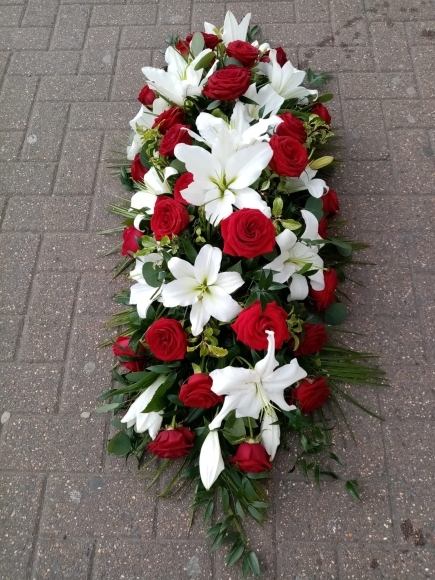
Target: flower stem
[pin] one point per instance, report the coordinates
(251, 431)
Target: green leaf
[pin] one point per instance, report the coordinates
(236, 268)
(352, 489)
(235, 554)
(344, 247)
(254, 563)
(208, 511)
(239, 510)
(158, 401)
(143, 156)
(335, 314)
(315, 206)
(290, 224)
(151, 275)
(205, 60)
(325, 98)
(108, 407)
(178, 165)
(119, 445)
(213, 105)
(255, 513)
(277, 206)
(189, 250)
(225, 499)
(230, 60)
(237, 429)
(197, 44)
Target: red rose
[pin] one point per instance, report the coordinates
(146, 96)
(167, 339)
(311, 394)
(120, 348)
(251, 325)
(323, 226)
(281, 57)
(228, 83)
(289, 157)
(251, 458)
(210, 41)
(291, 126)
(130, 243)
(247, 233)
(322, 112)
(314, 339)
(197, 392)
(330, 202)
(169, 218)
(182, 182)
(172, 443)
(324, 298)
(169, 118)
(244, 52)
(176, 134)
(137, 169)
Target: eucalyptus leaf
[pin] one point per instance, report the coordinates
(119, 445)
(335, 314)
(197, 43)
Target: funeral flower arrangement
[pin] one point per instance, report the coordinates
(226, 346)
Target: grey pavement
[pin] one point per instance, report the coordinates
(69, 76)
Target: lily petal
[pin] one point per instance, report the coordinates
(180, 292)
(211, 463)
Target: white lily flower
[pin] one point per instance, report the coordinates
(222, 177)
(141, 294)
(142, 422)
(250, 391)
(316, 187)
(270, 431)
(295, 255)
(204, 288)
(266, 99)
(210, 460)
(231, 30)
(285, 80)
(153, 186)
(181, 80)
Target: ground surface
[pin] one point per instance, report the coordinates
(70, 75)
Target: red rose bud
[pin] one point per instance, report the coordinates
(313, 339)
(228, 83)
(244, 52)
(169, 218)
(322, 112)
(197, 392)
(137, 169)
(310, 394)
(324, 298)
(167, 339)
(183, 46)
(251, 458)
(169, 118)
(146, 96)
(291, 126)
(247, 233)
(289, 157)
(330, 203)
(251, 325)
(182, 182)
(176, 134)
(172, 443)
(323, 226)
(129, 240)
(120, 348)
(210, 40)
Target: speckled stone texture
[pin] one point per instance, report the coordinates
(69, 76)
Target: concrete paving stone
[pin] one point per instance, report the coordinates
(52, 443)
(412, 440)
(3, 201)
(328, 58)
(365, 133)
(18, 254)
(308, 514)
(16, 101)
(35, 38)
(38, 214)
(422, 56)
(87, 373)
(378, 86)
(364, 178)
(107, 191)
(306, 8)
(67, 36)
(4, 59)
(44, 337)
(264, 11)
(20, 497)
(409, 114)
(390, 46)
(95, 296)
(100, 115)
(97, 505)
(40, 13)
(113, 149)
(116, 15)
(100, 50)
(348, 22)
(158, 58)
(171, 12)
(10, 15)
(30, 63)
(74, 252)
(213, 12)
(426, 301)
(80, 154)
(29, 388)
(420, 33)
(411, 148)
(364, 562)
(400, 10)
(303, 34)
(74, 88)
(10, 143)
(27, 178)
(45, 132)
(149, 36)
(181, 560)
(298, 560)
(63, 557)
(129, 79)
(53, 294)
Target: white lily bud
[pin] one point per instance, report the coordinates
(210, 460)
(270, 434)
